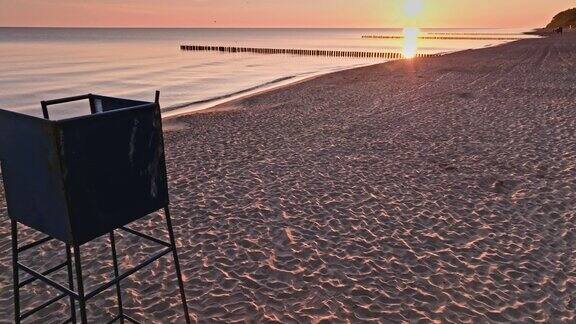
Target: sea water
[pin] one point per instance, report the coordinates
(46, 63)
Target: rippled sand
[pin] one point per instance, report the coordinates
(440, 189)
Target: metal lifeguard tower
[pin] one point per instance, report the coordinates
(79, 178)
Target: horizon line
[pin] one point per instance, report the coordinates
(241, 27)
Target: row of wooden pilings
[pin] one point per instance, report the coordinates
(474, 34)
(442, 37)
(307, 52)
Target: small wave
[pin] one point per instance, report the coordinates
(177, 109)
(232, 94)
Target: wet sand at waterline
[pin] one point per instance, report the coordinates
(439, 189)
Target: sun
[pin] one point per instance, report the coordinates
(413, 8)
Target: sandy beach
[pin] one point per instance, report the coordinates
(427, 190)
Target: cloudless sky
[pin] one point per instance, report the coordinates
(279, 13)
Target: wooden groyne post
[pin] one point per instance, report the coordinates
(304, 52)
(447, 37)
(474, 34)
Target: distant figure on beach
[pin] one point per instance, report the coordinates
(559, 30)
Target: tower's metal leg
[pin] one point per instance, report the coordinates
(177, 263)
(15, 277)
(82, 297)
(116, 274)
(71, 283)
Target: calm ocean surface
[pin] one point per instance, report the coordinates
(46, 63)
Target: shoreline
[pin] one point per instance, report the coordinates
(231, 99)
(208, 104)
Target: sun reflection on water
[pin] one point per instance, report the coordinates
(410, 41)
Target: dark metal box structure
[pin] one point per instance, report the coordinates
(79, 178)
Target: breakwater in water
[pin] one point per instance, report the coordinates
(446, 37)
(307, 52)
(475, 34)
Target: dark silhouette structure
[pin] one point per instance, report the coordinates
(79, 178)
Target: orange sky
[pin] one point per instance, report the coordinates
(278, 13)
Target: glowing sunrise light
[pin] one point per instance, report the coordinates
(410, 42)
(413, 8)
